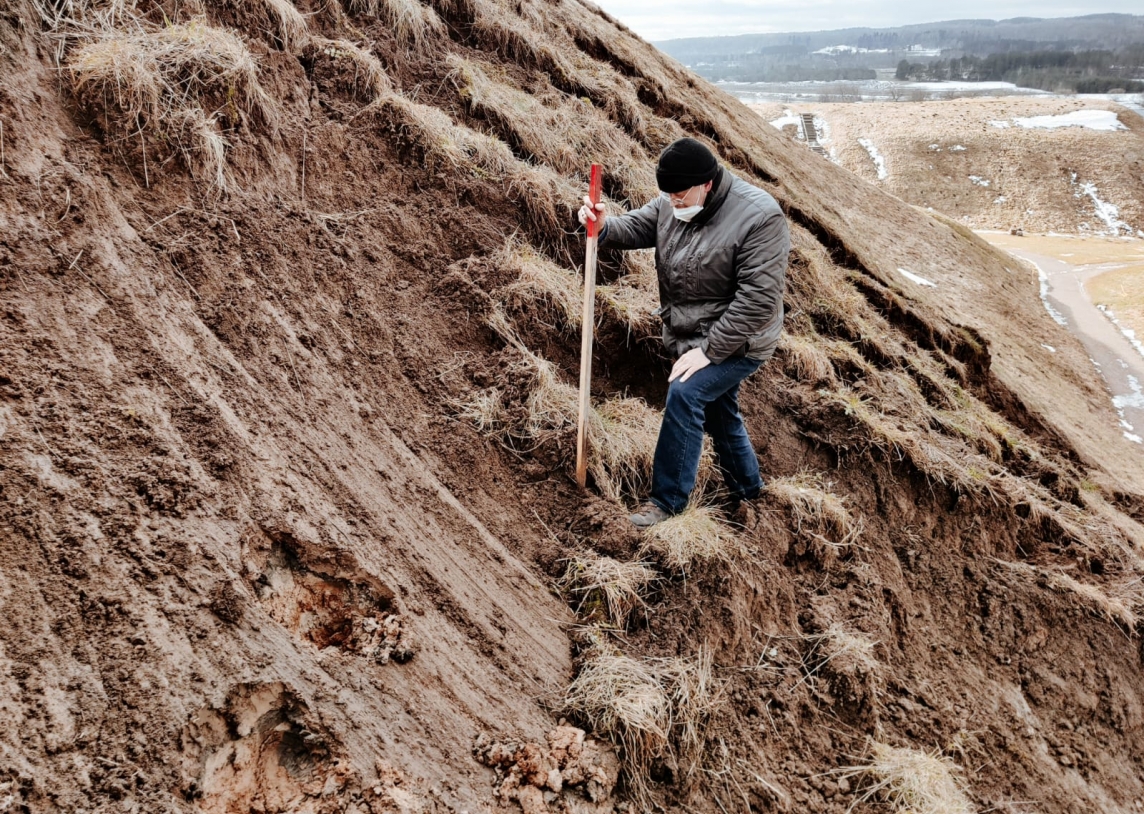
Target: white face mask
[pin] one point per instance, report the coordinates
(686, 213)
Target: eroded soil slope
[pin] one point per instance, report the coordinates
(284, 447)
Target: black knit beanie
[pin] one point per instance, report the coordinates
(684, 164)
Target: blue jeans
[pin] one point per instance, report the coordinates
(709, 401)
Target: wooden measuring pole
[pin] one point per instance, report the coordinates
(587, 324)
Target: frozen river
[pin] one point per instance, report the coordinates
(879, 90)
(872, 90)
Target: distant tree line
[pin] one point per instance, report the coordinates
(1092, 71)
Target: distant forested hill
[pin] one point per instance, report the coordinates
(853, 52)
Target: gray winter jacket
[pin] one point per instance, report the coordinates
(721, 276)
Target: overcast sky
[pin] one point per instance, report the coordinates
(671, 19)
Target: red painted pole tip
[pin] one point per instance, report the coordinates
(594, 184)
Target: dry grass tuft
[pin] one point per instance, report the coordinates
(192, 127)
(622, 433)
(914, 782)
(79, 20)
(412, 23)
(69, 15)
(369, 80)
(485, 410)
(903, 435)
(150, 72)
(639, 269)
(624, 449)
(804, 360)
(695, 534)
(633, 306)
(819, 288)
(979, 433)
(554, 128)
(845, 650)
(560, 291)
(446, 147)
(160, 80)
(541, 281)
(1120, 600)
(848, 661)
(608, 586)
(648, 708)
(547, 134)
(552, 405)
(624, 700)
(696, 695)
(464, 157)
(818, 514)
(292, 27)
(635, 297)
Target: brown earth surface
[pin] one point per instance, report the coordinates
(934, 150)
(285, 516)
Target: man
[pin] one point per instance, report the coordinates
(721, 250)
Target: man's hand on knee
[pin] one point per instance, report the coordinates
(692, 361)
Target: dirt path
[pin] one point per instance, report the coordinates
(1120, 364)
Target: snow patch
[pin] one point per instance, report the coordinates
(979, 181)
(1057, 316)
(1129, 334)
(1089, 119)
(1109, 213)
(935, 147)
(1049, 348)
(1000, 199)
(999, 123)
(788, 117)
(831, 50)
(1133, 399)
(876, 157)
(957, 148)
(822, 128)
(909, 275)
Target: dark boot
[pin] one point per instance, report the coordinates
(648, 515)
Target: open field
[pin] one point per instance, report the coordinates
(1079, 250)
(971, 159)
(1122, 290)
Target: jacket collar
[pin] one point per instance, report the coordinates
(715, 198)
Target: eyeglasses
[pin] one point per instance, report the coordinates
(677, 197)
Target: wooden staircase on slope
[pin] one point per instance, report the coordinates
(810, 133)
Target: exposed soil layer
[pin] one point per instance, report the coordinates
(260, 552)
